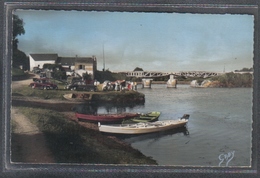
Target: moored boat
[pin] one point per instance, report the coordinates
(78, 97)
(105, 117)
(143, 128)
(148, 117)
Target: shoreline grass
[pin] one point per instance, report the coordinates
(72, 143)
(108, 96)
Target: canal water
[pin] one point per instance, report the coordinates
(218, 132)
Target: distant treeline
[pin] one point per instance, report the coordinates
(101, 76)
(245, 70)
(226, 80)
(234, 80)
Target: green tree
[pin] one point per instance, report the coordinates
(87, 76)
(17, 30)
(19, 57)
(138, 69)
(101, 76)
(234, 80)
(58, 74)
(53, 67)
(57, 69)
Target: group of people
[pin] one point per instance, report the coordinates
(119, 85)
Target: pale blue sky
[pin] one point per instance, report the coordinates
(169, 42)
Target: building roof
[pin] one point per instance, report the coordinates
(70, 61)
(84, 59)
(44, 57)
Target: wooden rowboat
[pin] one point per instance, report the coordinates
(149, 117)
(105, 117)
(143, 128)
(78, 97)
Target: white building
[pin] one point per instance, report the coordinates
(75, 64)
(38, 60)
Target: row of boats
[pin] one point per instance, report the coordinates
(133, 123)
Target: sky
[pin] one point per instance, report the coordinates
(166, 42)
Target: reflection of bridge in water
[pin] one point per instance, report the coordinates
(153, 74)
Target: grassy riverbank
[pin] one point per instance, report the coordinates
(70, 142)
(18, 74)
(109, 96)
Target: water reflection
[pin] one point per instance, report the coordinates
(154, 136)
(106, 108)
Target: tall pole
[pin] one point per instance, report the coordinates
(103, 58)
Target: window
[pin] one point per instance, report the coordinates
(81, 66)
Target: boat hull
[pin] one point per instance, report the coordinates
(143, 128)
(78, 97)
(149, 117)
(105, 117)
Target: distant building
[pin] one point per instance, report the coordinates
(66, 62)
(38, 60)
(85, 64)
(75, 64)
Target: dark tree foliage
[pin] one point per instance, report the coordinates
(19, 57)
(58, 74)
(53, 67)
(17, 30)
(57, 69)
(234, 80)
(138, 69)
(101, 76)
(87, 76)
(245, 70)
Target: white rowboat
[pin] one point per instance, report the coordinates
(143, 128)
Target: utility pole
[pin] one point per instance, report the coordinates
(103, 58)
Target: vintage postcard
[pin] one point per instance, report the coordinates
(168, 90)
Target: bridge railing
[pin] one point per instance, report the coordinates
(152, 74)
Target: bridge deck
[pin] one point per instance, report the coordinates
(151, 74)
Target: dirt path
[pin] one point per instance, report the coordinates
(28, 142)
(17, 84)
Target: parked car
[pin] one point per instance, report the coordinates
(81, 85)
(36, 70)
(73, 79)
(42, 83)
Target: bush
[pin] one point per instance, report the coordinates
(17, 72)
(101, 76)
(234, 80)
